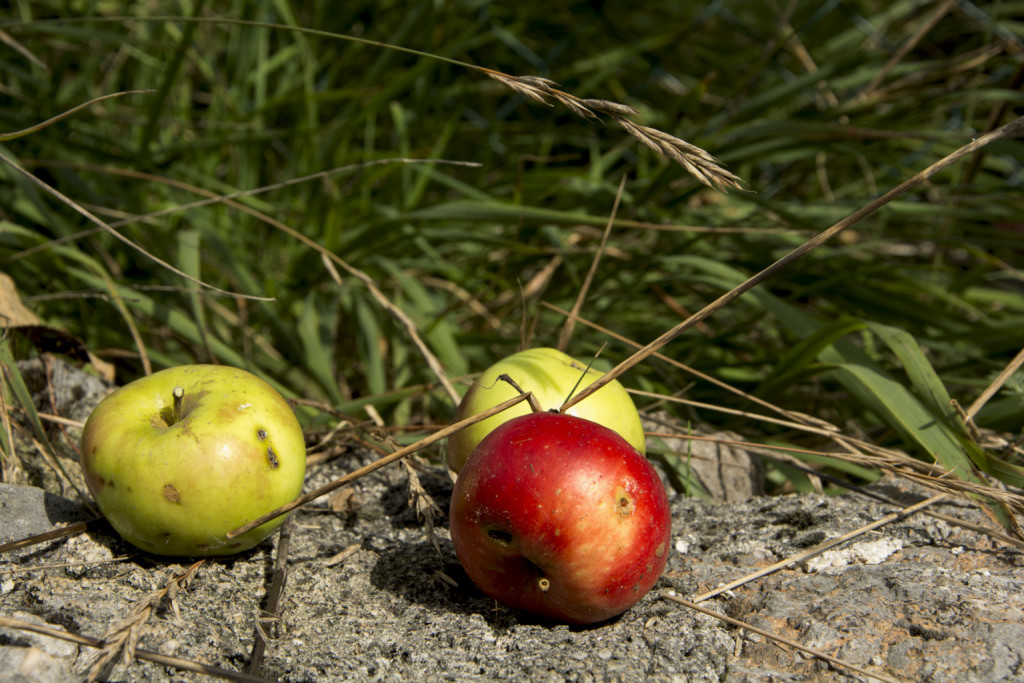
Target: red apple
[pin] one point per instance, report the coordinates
(559, 516)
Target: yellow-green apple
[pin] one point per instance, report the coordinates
(550, 375)
(561, 517)
(177, 459)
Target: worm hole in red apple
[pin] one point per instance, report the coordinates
(500, 535)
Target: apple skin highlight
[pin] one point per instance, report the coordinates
(175, 485)
(561, 517)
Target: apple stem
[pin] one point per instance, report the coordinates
(530, 398)
(179, 396)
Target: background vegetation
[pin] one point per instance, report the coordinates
(819, 107)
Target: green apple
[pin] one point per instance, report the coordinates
(178, 459)
(551, 375)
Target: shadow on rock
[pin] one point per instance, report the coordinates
(422, 576)
(418, 573)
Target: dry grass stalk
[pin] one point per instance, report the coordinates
(147, 655)
(122, 637)
(376, 465)
(577, 306)
(854, 450)
(995, 386)
(695, 160)
(70, 530)
(781, 453)
(779, 639)
(821, 548)
(67, 201)
(227, 200)
(423, 504)
(270, 614)
(10, 465)
(1009, 130)
(343, 555)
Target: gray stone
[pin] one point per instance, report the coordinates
(389, 611)
(27, 511)
(32, 665)
(722, 473)
(918, 599)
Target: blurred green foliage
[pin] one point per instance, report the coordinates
(820, 107)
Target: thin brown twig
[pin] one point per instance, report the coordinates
(376, 465)
(327, 255)
(52, 535)
(798, 417)
(782, 454)
(779, 639)
(399, 315)
(147, 655)
(570, 321)
(7, 137)
(122, 637)
(93, 218)
(996, 385)
(270, 614)
(855, 450)
(821, 548)
(909, 45)
(821, 238)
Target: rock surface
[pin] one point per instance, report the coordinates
(369, 596)
(918, 599)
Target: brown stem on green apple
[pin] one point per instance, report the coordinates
(179, 396)
(530, 398)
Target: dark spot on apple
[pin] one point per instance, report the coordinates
(171, 494)
(623, 504)
(272, 457)
(261, 434)
(500, 535)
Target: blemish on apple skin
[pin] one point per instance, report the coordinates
(660, 550)
(500, 535)
(244, 406)
(272, 457)
(171, 494)
(261, 434)
(623, 504)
